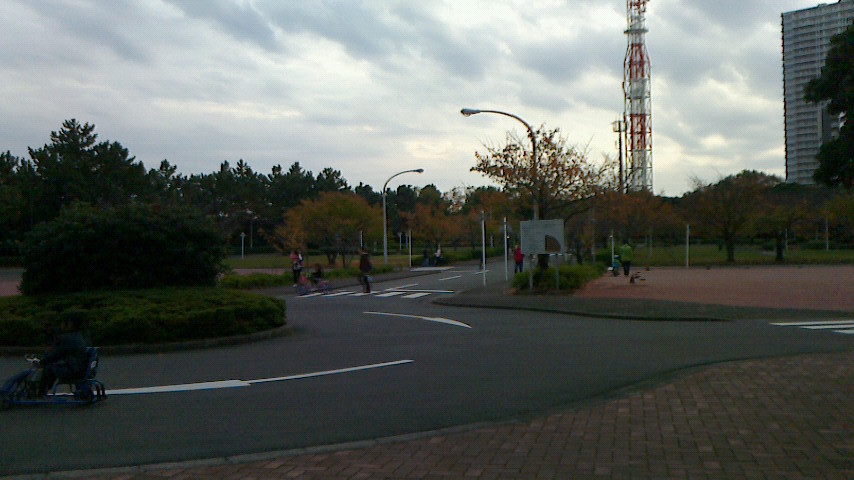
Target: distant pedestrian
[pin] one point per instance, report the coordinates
(626, 255)
(365, 269)
(519, 258)
(426, 257)
(296, 264)
(438, 255)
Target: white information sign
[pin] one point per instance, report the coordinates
(542, 236)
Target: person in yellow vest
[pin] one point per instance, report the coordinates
(626, 255)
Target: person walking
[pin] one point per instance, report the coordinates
(519, 258)
(626, 255)
(365, 269)
(296, 264)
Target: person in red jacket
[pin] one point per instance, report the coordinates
(519, 257)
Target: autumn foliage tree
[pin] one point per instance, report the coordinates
(435, 226)
(839, 212)
(333, 222)
(635, 213)
(727, 208)
(559, 177)
(556, 183)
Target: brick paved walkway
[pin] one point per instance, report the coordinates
(825, 287)
(782, 418)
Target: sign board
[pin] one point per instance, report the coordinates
(542, 236)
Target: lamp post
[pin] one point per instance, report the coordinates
(619, 128)
(467, 112)
(385, 236)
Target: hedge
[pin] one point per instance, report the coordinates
(572, 277)
(133, 246)
(286, 279)
(140, 316)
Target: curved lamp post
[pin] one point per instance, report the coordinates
(385, 236)
(467, 112)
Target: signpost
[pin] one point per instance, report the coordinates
(541, 237)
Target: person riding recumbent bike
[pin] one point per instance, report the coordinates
(313, 283)
(68, 362)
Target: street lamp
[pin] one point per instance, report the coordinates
(385, 236)
(467, 112)
(620, 127)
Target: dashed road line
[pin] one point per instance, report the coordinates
(416, 295)
(845, 327)
(390, 294)
(409, 293)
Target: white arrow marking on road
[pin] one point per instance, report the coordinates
(186, 387)
(429, 319)
(329, 372)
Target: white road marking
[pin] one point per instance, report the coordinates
(329, 372)
(480, 272)
(429, 319)
(309, 295)
(828, 327)
(413, 290)
(186, 387)
(391, 294)
(450, 278)
(338, 294)
(360, 294)
(416, 295)
(804, 324)
(402, 287)
(845, 327)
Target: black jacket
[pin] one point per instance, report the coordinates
(70, 348)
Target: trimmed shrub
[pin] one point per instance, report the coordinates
(267, 280)
(134, 246)
(140, 316)
(571, 277)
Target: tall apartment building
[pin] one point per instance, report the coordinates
(806, 40)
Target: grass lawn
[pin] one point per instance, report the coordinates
(744, 255)
(275, 260)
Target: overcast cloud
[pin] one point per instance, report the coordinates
(374, 87)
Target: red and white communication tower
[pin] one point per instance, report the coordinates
(637, 113)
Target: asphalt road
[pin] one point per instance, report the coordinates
(421, 373)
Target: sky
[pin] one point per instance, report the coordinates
(374, 87)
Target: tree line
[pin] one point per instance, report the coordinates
(295, 208)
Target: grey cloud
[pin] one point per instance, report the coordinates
(242, 21)
(101, 27)
(561, 63)
(385, 33)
